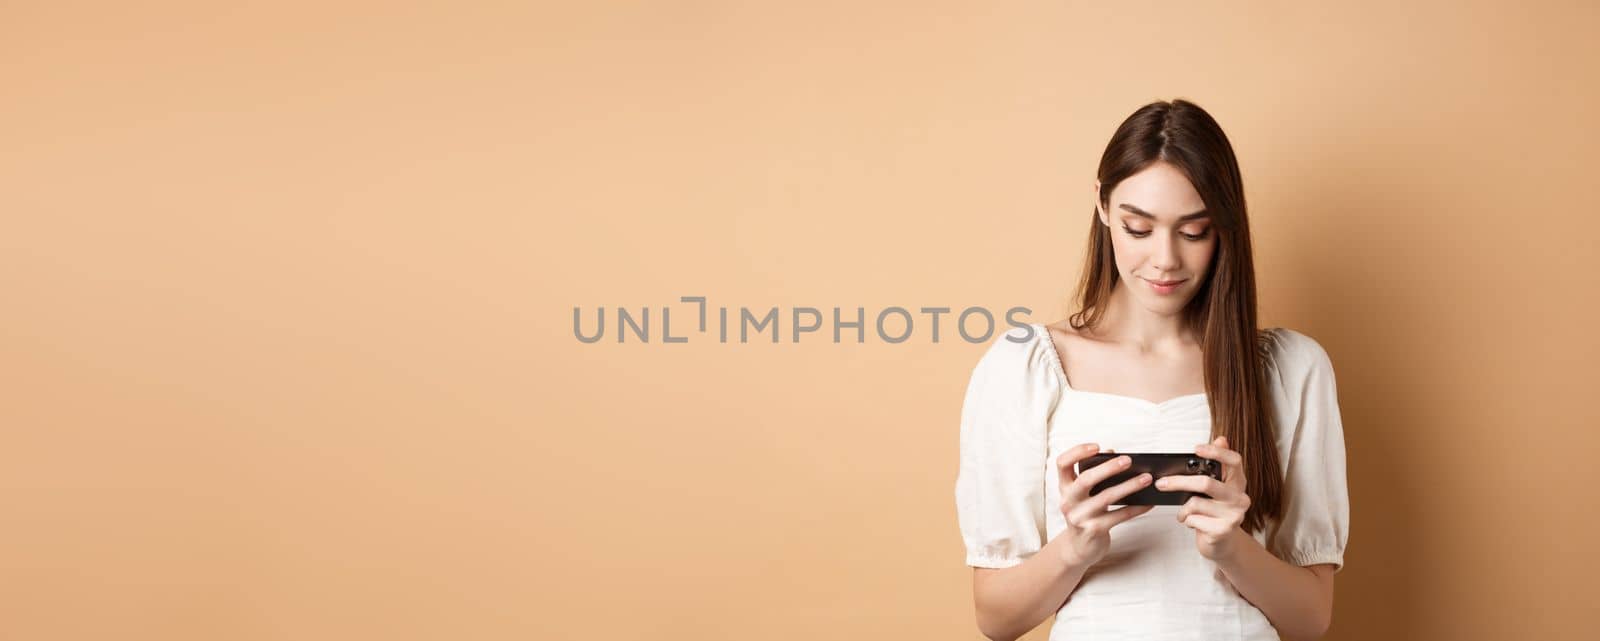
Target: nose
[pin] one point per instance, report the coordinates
(1165, 257)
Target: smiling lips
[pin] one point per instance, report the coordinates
(1164, 287)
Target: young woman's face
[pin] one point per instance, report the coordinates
(1153, 242)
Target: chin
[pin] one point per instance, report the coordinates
(1167, 305)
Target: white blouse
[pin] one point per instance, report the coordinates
(1020, 413)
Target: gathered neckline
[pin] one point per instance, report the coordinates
(1061, 371)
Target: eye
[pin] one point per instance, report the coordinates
(1141, 234)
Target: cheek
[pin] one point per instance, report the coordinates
(1125, 253)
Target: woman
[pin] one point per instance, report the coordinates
(1163, 355)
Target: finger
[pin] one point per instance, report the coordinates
(1220, 453)
(1204, 507)
(1208, 524)
(1087, 479)
(1102, 501)
(1232, 462)
(1194, 483)
(1114, 517)
(1064, 463)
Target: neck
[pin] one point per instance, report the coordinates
(1128, 323)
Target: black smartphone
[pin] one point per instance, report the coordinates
(1158, 464)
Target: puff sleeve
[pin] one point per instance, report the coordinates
(1000, 485)
(1315, 526)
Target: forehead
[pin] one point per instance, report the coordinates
(1160, 189)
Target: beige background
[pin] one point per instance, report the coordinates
(288, 294)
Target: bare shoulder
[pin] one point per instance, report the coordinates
(1060, 333)
(1065, 335)
(1067, 340)
(1062, 329)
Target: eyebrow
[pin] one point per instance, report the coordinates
(1199, 214)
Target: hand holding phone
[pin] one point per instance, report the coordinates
(1157, 465)
(1089, 519)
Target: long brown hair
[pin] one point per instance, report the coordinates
(1223, 311)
